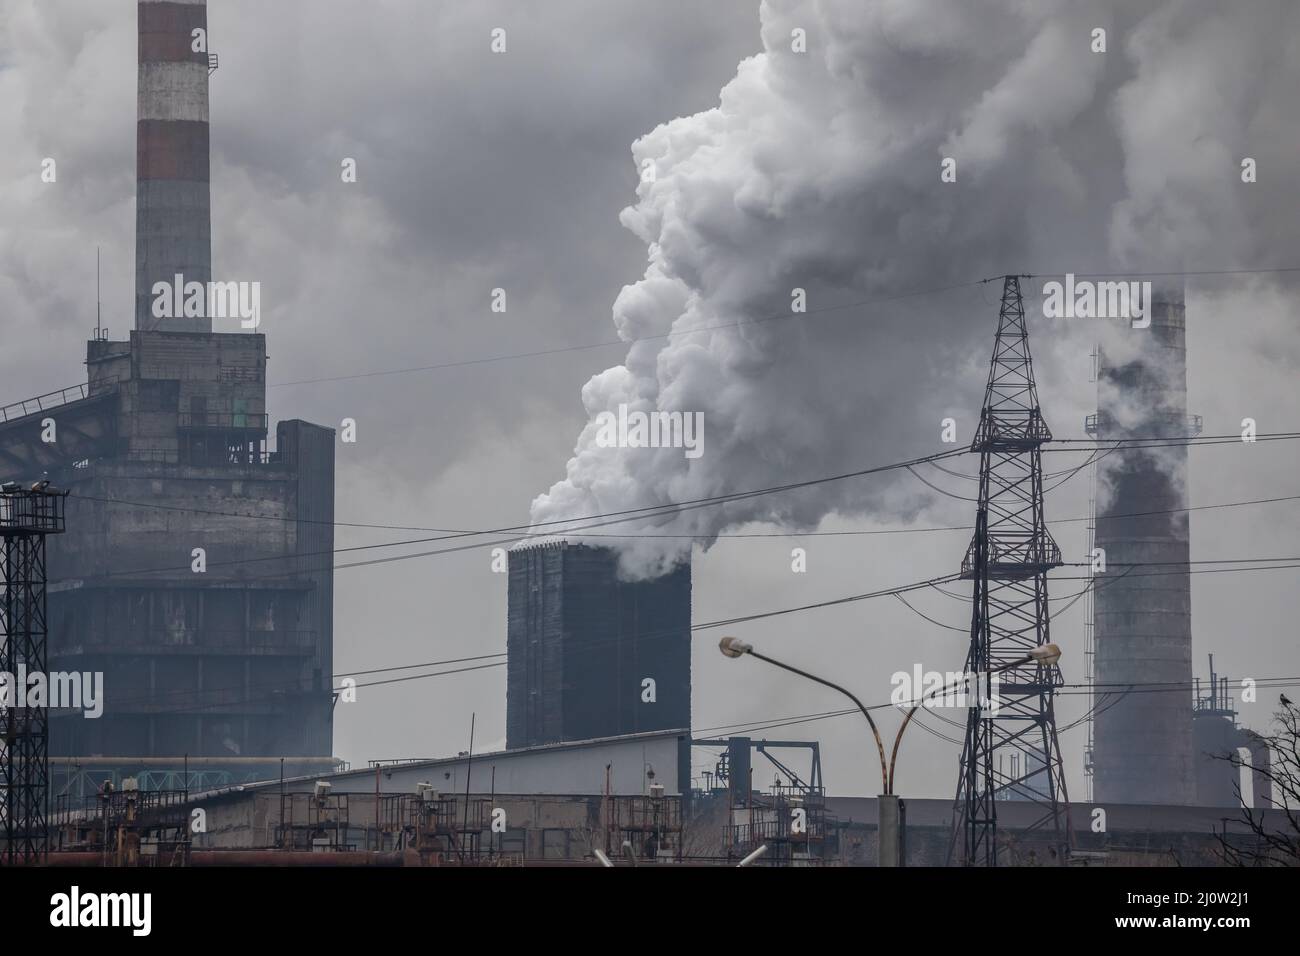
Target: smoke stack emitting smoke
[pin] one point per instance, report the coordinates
(821, 171)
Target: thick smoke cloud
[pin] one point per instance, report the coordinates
(821, 171)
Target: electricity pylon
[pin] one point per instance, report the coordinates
(1011, 750)
(26, 517)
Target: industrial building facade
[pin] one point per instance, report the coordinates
(197, 574)
(590, 655)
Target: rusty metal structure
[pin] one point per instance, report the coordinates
(791, 821)
(1007, 562)
(440, 828)
(126, 827)
(789, 817)
(651, 825)
(27, 516)
(316, 821)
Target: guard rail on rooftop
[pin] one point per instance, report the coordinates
(41, 403)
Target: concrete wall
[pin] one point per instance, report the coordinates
(1135, 834)
(233, 660)
(538, 827)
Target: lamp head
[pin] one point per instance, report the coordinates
(734, 647)
(1047, 655)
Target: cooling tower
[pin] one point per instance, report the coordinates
(589, 655)
(173, 220)
(1143, 630)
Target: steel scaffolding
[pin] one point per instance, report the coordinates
(26, 517)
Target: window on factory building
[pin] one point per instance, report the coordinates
(555, 844)
(514, 841)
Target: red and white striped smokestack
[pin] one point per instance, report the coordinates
(173, 221)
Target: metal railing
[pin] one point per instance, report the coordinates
(1186, 425)
(189, 456)
(41, 403)
(234, 420)
(32, 512)
(210, 638)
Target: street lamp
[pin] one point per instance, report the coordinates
(735, 647)
(890, 808)
(889, 827)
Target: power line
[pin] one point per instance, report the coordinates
(934, 487)
(641, 513)
(407, 667)
(1160, 574)
(823, 604)
(929, 459)
(650, 635)
(289, 686)
(753, 726)
(708, 625)
(1167, 442)
(1159, 275)
(648, 511)
(1144, 564)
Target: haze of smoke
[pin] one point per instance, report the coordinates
(821, 171)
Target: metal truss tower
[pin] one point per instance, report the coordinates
(1008, 560)
(26, 517)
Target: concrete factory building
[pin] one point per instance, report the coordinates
(561, 803)
(591, 655)
(196, 573)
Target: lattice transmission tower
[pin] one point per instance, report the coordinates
(26, 517)
(1007, 561)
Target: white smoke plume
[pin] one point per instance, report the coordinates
(821, 171)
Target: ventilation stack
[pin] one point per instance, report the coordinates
(590, 655)
(173, 217)
(1143, 614)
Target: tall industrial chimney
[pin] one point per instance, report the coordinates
(1143, 750)
(173, 221)
(589, 655)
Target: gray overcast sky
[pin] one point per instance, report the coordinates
(478, 170)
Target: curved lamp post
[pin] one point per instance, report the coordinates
(735, 647)
(1045, 656)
